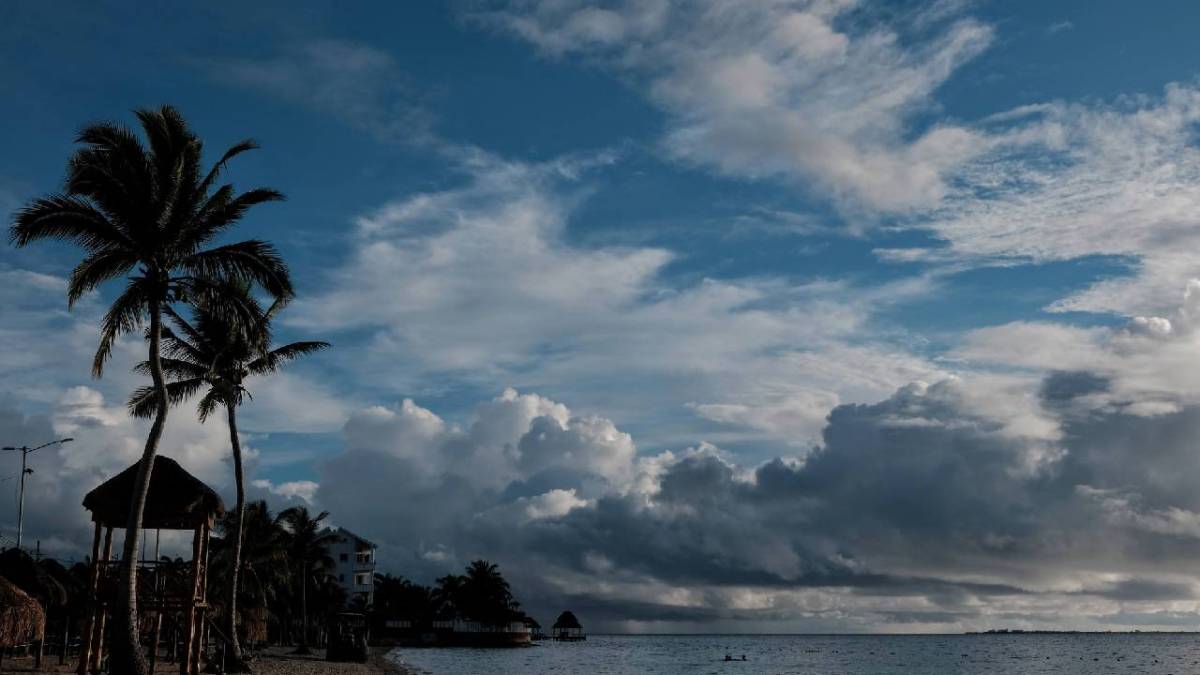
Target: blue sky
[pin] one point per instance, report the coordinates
(680, 232)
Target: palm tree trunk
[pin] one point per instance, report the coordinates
(127, 656)
(233, 656)
(304, 608)
(302, 648)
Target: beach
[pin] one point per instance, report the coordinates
(270, 661)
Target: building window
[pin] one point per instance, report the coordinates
(362, 579)
(343, 557)
(341, 578)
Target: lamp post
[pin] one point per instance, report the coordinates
(25, 450)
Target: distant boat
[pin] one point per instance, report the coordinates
(567, 628)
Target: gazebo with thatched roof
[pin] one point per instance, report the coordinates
(567, 628)
(22, 620)
(177, 501)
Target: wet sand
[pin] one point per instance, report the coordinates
(270, 661)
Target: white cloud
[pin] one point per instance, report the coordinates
(361, 85)
(796, 88)
(553, 504)
(303, 489)
(1150, 366)
(1113, 180)
(481, 284)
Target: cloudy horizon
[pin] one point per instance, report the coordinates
(786, 316)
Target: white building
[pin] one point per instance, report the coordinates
(353, 564)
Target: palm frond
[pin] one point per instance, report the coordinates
(277, 357)
(96, 269)
(65, 218)
(251, 261)
(218, 215)
(223, 307)
(178, 369)
(237, 149)
(143, 403)
(209, 404)
(123, 316)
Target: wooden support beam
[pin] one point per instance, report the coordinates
(189, 646)
(101, 615)
(92, 606)
(154, 645)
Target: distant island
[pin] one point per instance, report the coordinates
(1023, 632)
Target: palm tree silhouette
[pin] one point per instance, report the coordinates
(213, 351)
(147, 213)
(307, 547)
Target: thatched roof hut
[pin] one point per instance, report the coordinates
(567, 620)
(22, 619)
(255, 621)
(567, 628)
(177, 499)
(19, 568)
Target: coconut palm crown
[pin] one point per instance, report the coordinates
(147, 213)
(217, 350)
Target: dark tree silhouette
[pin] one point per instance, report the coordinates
(148, 213)
(308, 550)
(481, 595)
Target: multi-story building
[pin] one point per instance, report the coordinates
(353, 564)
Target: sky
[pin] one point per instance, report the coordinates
(694, 315)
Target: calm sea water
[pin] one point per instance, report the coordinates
(826, 655)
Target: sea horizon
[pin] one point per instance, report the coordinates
(856, 654)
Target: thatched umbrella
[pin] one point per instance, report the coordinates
(567, 627)
(177, 499)
(35, 579)
(255, 622)
(22, 619)
(567, 620)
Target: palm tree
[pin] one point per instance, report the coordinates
(263, 577)
(218, 353)
(447, 596)
(148, 213)
(487, 596)
(307, 548)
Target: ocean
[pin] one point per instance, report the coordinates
(1062, 654)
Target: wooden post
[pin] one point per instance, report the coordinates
(202, 607)
(189, 636)
(154, 646)
(202, 635)
(92, 606)
(66, 638)
(98, 636)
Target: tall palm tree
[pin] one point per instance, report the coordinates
(148, 213)
(307, 549)
(213, 351)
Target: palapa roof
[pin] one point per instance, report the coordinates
(177, 500)
(22, 619)
(567, 620)
(34, 579)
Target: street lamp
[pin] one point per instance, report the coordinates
(25, 450)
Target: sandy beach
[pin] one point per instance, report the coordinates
(271, 661)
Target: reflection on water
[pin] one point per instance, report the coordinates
(827, 655)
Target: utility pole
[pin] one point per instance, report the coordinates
(25, 451)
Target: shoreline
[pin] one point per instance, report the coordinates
(270, 661)
(279, 661)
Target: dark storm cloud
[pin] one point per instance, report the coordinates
(924, 497)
